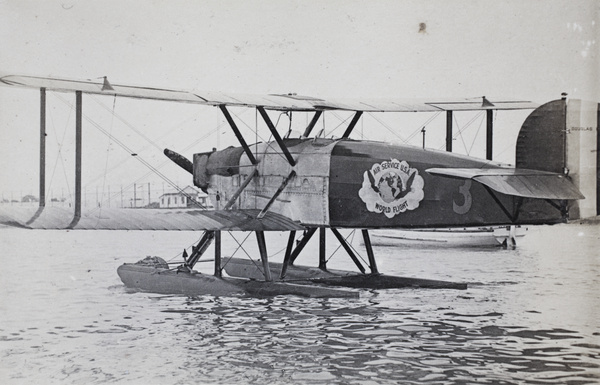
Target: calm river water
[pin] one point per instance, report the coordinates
(530, 316)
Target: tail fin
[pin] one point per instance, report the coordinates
(541, 144)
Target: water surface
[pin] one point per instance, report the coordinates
(530, 316)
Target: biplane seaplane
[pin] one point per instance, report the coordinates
(304, 185)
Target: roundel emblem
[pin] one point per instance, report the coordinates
(391, 187)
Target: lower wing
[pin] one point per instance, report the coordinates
(145, 219)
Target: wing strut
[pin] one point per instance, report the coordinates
(449, 130)
(489, 132)
(279, 190)
(42, 147)
(352, 124)
(273, 130)
(238, 134)
(78, 116)
(312, 123)
(240, 190)
(42, 157)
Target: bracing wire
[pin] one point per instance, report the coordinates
(139, 158)
(152, 169)
(475, 138)
(108, 148)
(59, 153)
(461, 130)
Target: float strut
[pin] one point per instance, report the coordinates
(288, 254)
(305, 238)
(197, 251)
(322, 259)
(348, 249)
(217, 254)
(262, 248)
(369, 247)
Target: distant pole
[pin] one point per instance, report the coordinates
(148, 193)
(489, 134)
(423, 131)
(134, 196)
(121, 196)
(449, 131)
(42, 147)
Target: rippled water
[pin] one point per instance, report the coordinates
(530, 316)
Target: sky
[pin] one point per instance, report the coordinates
(531, 50)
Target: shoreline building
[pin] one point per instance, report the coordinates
(188, 197)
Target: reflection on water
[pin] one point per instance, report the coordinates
(529, 316)
(367, 341)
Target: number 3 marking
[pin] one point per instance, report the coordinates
(465, 191)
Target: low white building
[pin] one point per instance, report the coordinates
(184, 199)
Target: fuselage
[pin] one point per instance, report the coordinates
(361, 184)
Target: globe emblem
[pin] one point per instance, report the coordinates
(389, 186)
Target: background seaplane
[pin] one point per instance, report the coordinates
(304, 184)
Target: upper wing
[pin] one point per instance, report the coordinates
(517, 182)
(145, 219)
(287, 102)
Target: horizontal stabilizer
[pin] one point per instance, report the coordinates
(146, 219)
(517, 182)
